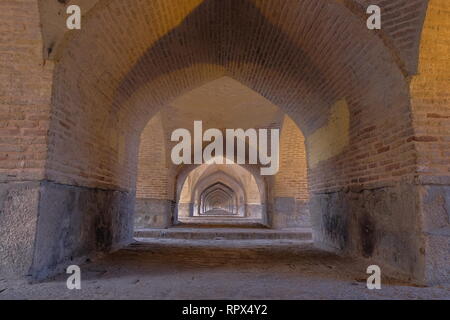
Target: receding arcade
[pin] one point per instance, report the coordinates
(371, 107)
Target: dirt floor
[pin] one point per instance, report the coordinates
(220, 269)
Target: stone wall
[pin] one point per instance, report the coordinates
(403, 227)
(381, 222)
(435, 204)
(77, 222)
(153, 213)
(51, 225)
(289, 213)
(19, 204)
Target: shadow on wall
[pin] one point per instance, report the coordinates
(104, 223)
(206, 47)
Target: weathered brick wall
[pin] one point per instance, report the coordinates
(94, 133)
(348, 90)
(379, 148)
(412, 190)
(401, 26)
(138, 77)
(112, 141)
(25, 92)
(109, 84)
(290, 195)
(155, 178)
(291, 180)
(153, 171)
(430, 96)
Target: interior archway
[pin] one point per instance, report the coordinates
(244, 186)
(218, 200)
(374, 141)
(323, 94)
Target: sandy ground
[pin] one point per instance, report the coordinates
(220, 269)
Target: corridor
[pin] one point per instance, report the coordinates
(221, 269)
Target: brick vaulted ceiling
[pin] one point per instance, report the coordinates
(131, 58)
(128, 44)
(222, 103)
(402, 20)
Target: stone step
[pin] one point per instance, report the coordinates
(225, 234)
(230, 222)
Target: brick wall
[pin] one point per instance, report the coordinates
(379, 147)
(25, 92)
(132, 58)
(430, 96)
(108, 84)
(101, 102)
(291, 180)
(153, 171)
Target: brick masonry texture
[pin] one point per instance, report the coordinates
(430, 97)
(135, 84)
(154, 163)
(25, 93)
(73, 105)
(291, 180)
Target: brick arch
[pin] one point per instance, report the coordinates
(347, 78)
(218, 196)
(192, 179)
(321, 76)
(254, 170)
(285, 63)
(219, 177)
(404, 44)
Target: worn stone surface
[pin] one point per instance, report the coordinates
(435, 201)
(289, 213)
(76, 222)
(436, 219)
(212, 221)
(45, 226)
(179, 269)
(153, 213)
(224, 233)
(18, 218)
(382, 224)
(437, 263)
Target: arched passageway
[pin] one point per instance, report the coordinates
(278, 201)
(244, 188)
(80, 100)
(218, 200)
